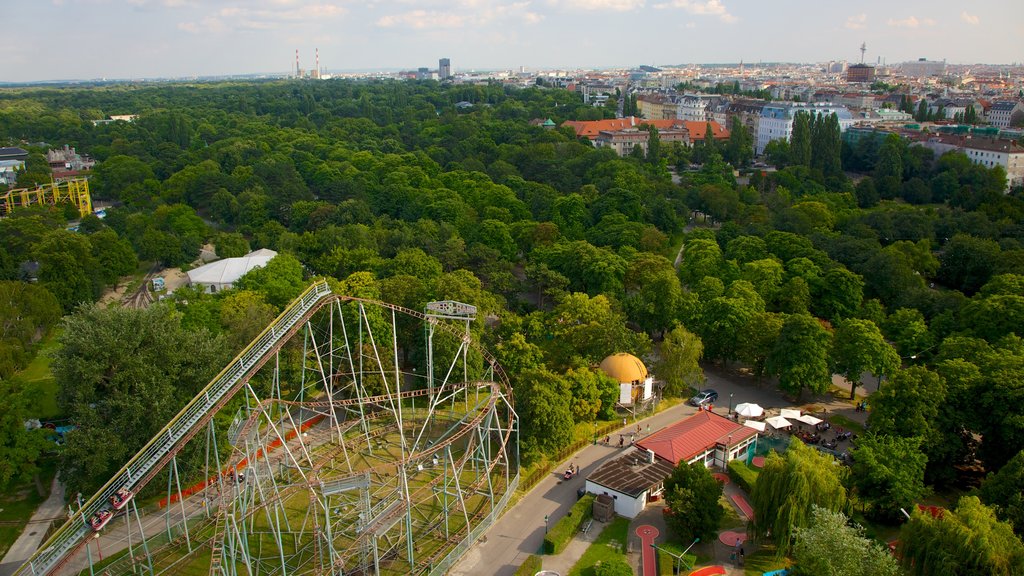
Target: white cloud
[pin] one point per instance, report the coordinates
(421, 19)
(909, 22)
(971, 19)
(483, 12)
(606, 5)
(268, 18)
(856, 22)
(707, 8)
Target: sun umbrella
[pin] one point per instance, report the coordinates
(749, 410)
(759, 426)
(778, 422)
(808, 419)
(790, 413)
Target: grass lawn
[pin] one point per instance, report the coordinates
(762, 561)
(731, 518)
(851, 425)
(39, 381)
(611, 543)
(18, 503)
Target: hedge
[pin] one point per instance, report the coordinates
(744, 476)
(562, 532)
(531, 566)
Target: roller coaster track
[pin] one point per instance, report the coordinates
(192, 418)
(163, 447)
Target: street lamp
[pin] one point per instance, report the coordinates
(730, 402)
(679, 557)
(545, 523)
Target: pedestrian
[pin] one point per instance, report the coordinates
(637, 428)
(741, 555)
(621, 440)
(648, 429)
(608, 439)
(632, 439)
(623, 421)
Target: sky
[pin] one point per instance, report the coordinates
(116, 39)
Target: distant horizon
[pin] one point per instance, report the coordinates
(455, 70)
(133, 39)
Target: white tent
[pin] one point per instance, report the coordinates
(790, 413)
(778, 422)
(749, 410)
(759, 426)
(808, 419)
(222, 274)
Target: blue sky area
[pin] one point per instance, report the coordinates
(86, 39)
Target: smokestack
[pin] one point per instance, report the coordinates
(298, 71)
(317, 63)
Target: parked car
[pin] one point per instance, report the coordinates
(705, 396)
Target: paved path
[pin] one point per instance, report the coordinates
(32, 535)
(647, 534)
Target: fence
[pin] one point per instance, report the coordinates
(452, 557)
(534, 477)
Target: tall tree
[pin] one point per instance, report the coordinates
(692, 494)
(888, 473)
(800, 141)
(858, 347)
(1004, 492)
(962, 542)
(542, 402)
(800, 356)
(829, 545)
(121, 375)
(679, 363)
(787, 488)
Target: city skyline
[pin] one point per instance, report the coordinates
(89, 39)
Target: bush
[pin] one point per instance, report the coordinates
(616, 566)
(531, 566)
(744, 476)
(562, 532)
(667, 562)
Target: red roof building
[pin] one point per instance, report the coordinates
(593, 128)
(700, 435)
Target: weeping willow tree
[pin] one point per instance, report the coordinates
(787, 488)
(966, 541)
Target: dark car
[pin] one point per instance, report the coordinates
(705, 396)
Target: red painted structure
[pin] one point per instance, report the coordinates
(647, 535)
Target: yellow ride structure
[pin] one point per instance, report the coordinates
(74, 191)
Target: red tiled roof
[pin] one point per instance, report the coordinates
(687, 438)
(591, 128)
(697, 129)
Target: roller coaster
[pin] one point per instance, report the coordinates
(74, 191)
(350, 437)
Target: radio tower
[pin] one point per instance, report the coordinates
(863, 48)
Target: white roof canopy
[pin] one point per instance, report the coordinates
(778, 422)
(759, 426)
(808, 419)
(789, 413)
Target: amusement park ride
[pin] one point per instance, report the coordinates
(74, 191)
(316, 451)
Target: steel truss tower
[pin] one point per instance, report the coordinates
(325, 447)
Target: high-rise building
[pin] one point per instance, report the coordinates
(860, 73)
(444, 68)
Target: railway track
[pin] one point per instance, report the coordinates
(142, 297)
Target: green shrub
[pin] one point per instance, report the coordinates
(531, 566)
(744, 476)
(562, 532)
(668, 562)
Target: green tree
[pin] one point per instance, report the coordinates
(787, 488)
(280, 281)
(800, 141)
(121, 375)
(740, 148)
(758, 339)
(692, 494)
(858, 347)
(888, 473)
(68, 269)
(1004, 492)
(20, 449)
(800, 356)
(829, 545)
(243, 315)
(679, 361)
(545, 416)
(590, 390)
(907, 331)
(613, 566)
(961, 542)
(907, 403)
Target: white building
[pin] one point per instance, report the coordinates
(694, 107)
(1000, 114)
(988, 152)
(777, 120)
(222, 274)
(637, 476)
